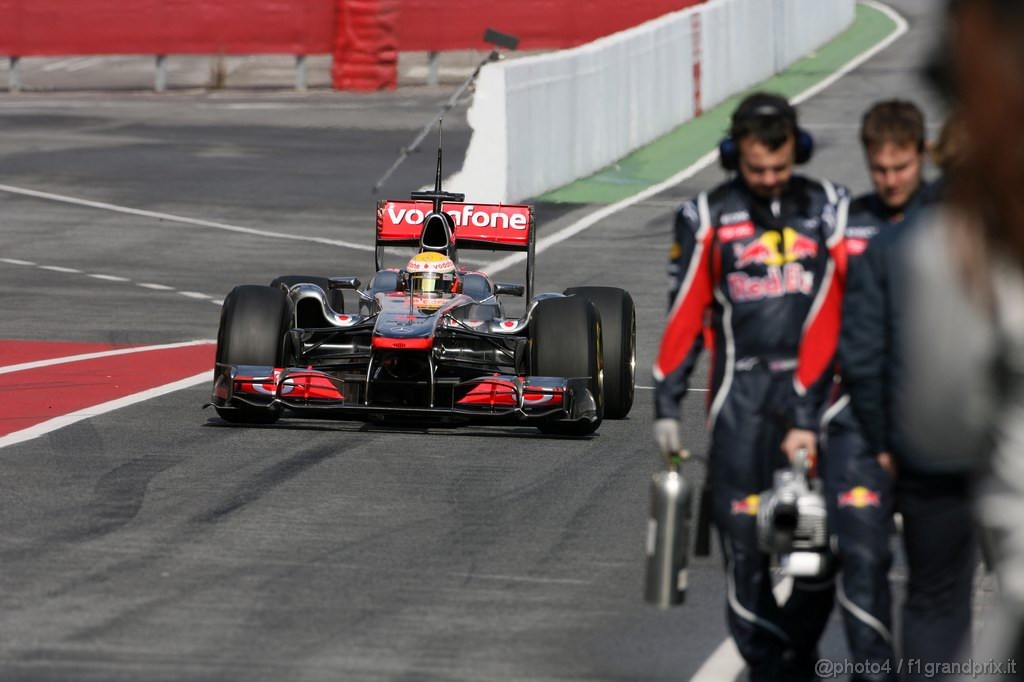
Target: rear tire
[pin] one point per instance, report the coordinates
(254, 323)
(335, 297)
(565, 341)
(618, 343)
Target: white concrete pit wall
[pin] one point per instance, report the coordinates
(542, 122)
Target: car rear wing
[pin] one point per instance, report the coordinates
(490, 227)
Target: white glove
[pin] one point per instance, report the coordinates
(666, 435)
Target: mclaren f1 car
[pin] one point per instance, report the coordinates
(326, 347)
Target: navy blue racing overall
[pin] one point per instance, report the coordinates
(859, 493)
(938, 530)
(759, 284)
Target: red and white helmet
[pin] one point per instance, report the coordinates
(431, 276)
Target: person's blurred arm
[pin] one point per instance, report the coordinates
(950, 394)
(690, 294)
(864, 343)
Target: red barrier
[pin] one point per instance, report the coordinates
(366, 51)
(439, 25)
(62, 27)
(364, 35)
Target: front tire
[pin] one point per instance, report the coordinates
(254, 324)
(565, 341)
(618, 343)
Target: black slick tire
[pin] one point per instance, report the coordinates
(565, 341)
(253, 325)
(618, 344)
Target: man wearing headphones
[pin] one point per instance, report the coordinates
(757, 270)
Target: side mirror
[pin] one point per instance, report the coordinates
(343, 282)
(504, 289)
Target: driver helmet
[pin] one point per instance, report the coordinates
(431, 278)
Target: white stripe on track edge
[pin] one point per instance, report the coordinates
(100, 354)
(96, 410)
(726, 663)
(110, 278)
(182, 219)
(703, 162)
(60, 268)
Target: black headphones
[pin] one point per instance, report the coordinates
(729, 151)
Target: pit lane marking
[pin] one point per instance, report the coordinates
(197, 295)
(60, 268)
(184, 220)
(100, 354)
(60, 422)
(203, 223)
(110, 278)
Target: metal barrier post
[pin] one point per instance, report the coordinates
(160, 84)
(14, 76)
(300, 73)
(433, 68)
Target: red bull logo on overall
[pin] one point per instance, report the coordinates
(859, 498)
(746, 506)
(760, 251)
(776, 248)
(800, 247)
(792, 279)
(781, 252)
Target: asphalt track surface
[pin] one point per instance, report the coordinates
(155, 542)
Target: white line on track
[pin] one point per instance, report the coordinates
(50, 362)
(588, 221)
(60, 268)
(68, 419)
(110, 278)
(184, 220)
(115, 278)
(725, 663)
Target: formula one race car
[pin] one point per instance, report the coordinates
(429, 343)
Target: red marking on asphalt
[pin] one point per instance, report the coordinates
(20, 352)
(39, 394)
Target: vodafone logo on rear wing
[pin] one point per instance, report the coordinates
(499, 223)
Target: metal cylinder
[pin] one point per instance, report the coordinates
(667, 540)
